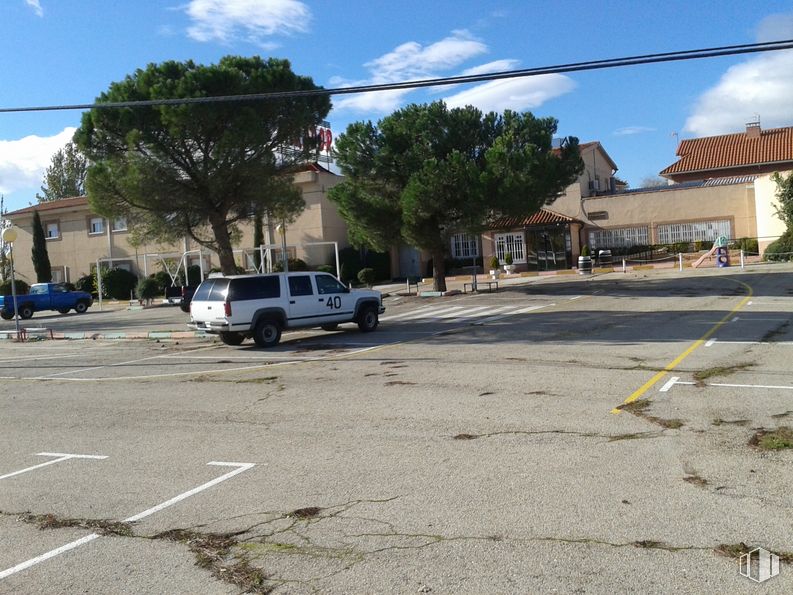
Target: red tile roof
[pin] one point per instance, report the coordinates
(64, 203)
(733, 150)
(541, 217)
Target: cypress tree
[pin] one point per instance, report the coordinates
(41, 260)
(258, 238)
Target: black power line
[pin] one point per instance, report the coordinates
(730, 50)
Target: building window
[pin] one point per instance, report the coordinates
(96, 225)
(693, 232)
(119, 224)
(58, 275)
(510, 243)
(624, 237)
(464, 246)
(52, 231)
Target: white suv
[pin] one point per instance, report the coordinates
(261, 306)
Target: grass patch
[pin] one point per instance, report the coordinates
(736, 550)
(779, 439)
(718, 371)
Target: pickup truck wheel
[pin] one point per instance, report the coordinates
(80, 307)
(267, 333)
(232, 338)
(63, 310)
(6, 315)
(25, 312)
(368, 319)
(330, 327)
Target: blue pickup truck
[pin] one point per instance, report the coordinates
(45, 296)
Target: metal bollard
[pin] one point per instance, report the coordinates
(741, 259)
(680, 261)
(624, 268)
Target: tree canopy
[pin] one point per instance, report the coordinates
(426, 172)
(201, 169)
(784, 196)
(65, 177)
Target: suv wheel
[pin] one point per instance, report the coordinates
(232, 338)
(330, 327)
(368, 319)
(267, 333)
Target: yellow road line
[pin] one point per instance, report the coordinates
(691, 348)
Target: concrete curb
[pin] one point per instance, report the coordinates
(40, 334)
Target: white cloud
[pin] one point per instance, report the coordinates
(250, 20)
(23, 161)
(761, 85)
(516, 94)
(494, 66)
(36, 6)
(407, 62)
(629, 130)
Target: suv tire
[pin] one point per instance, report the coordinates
(267, 333)
(368, 319)
(231, 338)
(330, 327)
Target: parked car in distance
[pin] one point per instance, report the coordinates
(45, 296)
(261, 306)
(187, 296)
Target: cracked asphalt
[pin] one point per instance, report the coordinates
(594, 439)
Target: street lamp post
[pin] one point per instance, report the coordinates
(9, 237)
(281, 229)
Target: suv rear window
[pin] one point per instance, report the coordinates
(211, 290)
(254, 288)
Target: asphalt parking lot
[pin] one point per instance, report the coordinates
(602, 435)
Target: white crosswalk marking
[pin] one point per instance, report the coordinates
(453, 314)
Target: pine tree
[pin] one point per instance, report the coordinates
(41, 260)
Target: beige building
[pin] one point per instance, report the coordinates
(77, 238)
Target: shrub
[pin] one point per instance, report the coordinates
(748, 245)
(148, 288)
(21, 287)
(194, 275)
(703, 245)
(367, 276)
(86, 284)
(163, 281)
(380, 262)
(781, 249)
(326, 268)
(508, 258)
(118, 283)
(295, 264)
(585, 250)
(493, 262)
(350, 259)
(69, 286)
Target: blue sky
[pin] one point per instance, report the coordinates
(68, 51)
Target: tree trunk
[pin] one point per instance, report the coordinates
(225, 251)
(438, 271)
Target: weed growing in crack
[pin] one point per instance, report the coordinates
(308, 512)
(213, 553)
(731, 422)
(696, 480)
(702, 375)
(466, 437)
(639, 409)
(101, 526)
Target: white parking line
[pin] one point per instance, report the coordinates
(60, 458)
(712, 342)
(410, 313)
(669, 384)
(241, 467)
